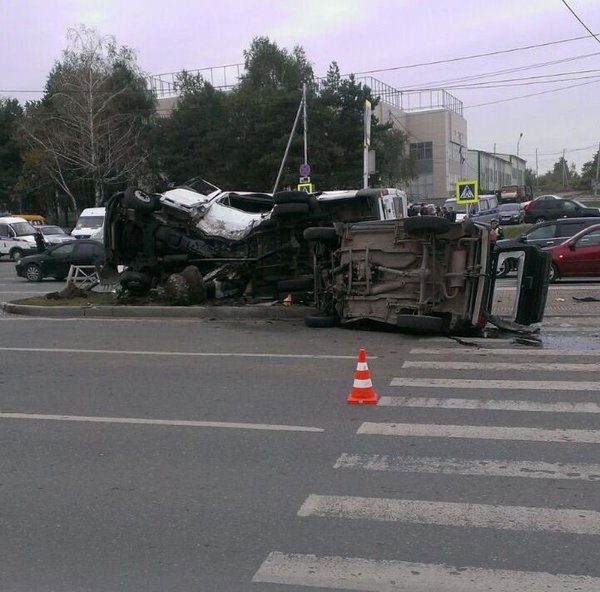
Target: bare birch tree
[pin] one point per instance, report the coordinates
(92, 123)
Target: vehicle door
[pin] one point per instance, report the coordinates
(565, 229)
(544, 236)
(388, 207)
(583, 255)
(568, 209)
(86, 253)
(4, 239)
(58, 260)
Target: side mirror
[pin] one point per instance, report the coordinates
(523, 238)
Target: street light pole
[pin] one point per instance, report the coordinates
(518, 142)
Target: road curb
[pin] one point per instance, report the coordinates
(230, 313)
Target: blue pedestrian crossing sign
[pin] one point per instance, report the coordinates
(467, 192)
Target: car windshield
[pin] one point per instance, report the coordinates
(90, 222)
(509, 207)
(23, 228)
(53, 230)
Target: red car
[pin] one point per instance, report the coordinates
(578, 255)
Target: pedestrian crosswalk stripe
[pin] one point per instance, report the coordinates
(513, 351)
(555, 385)
(463, 515)
(369, 575)
(511, 366)
(480, 432)
(490, 404)
(484, 467)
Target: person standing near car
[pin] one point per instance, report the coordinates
(40, 242)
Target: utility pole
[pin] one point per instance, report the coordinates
(536, 170)
(366, 143)
(305, 123)
(564, 170)
(460, 154)
(597, 170)
(495, 181)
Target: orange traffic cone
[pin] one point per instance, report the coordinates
(362, 389)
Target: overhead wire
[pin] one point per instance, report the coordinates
(582, 23)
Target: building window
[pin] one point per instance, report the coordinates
(421, 150)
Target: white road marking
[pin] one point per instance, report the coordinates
(510, 366)
(538, 385)
(485, 467)
(111, 352)
(515, 351)
(489, 404)
(369, 575)
(479, 432)
(456, 514)
(163, 422)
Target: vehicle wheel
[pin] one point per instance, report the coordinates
(554, 274)
(539, 219)
(178, 290)
(197, 290)
(139, 200)
(33, 273)
(323, 234)
(321, 321)
(421, 323)
(296, 284)
(286, 197)
(504, 268)
(16, 255)
(422, 224)
(290, 209)
(135, 281)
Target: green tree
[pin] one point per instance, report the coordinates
(93, 121)
(589, 170)
(11, 113)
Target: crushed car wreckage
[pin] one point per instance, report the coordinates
(354, 255)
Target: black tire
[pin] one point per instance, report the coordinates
(296, 284)
(197, 290)
(539, 219)
(33, 272)
(178, 290)
(322, 234)
(426, 224)
(503, 270)
(137, 199)
(554, 274)
(135, 281)
(286, 197)
(16, 255)
(290, 209)
(321, 321)
(421, 323)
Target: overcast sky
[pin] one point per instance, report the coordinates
(360, 35)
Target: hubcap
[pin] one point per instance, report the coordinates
(33, 273)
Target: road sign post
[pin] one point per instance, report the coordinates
(467, 192)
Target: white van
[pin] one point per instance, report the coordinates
(17, 237)
(90, 221)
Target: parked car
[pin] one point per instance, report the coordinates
(56, 261)
(543, 235)
(511, 213)
(485, 210)
(422, 273)
(53, 235)
(552, 209)
(577, 256)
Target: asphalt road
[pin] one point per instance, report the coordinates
(184, 455)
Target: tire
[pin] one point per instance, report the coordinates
(16, 255)
(137, 199)
(539, 219)
(554, 274)
(178, 290)
(286, 197)
(33, 273)
(296, 284)
(290, 209)
(135, 281)
(421, 323)
(505, 268)
(322, 234)
(426, 224)
(197, 290)
(321, 321)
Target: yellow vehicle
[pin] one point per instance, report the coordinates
(34, 219)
